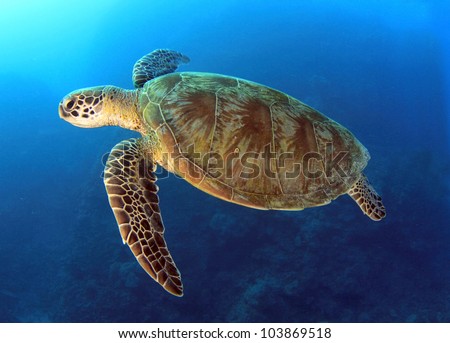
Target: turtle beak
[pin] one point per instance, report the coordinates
(62, 114)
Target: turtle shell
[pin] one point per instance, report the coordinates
(249, 144)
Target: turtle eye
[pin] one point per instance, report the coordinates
(70, 104)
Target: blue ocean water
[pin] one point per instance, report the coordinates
(380, 68)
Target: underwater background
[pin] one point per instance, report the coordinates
(380, 68)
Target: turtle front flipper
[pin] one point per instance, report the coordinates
(367, 199)
(158, 62)
(130, 184)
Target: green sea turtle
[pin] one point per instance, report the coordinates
(234, 139)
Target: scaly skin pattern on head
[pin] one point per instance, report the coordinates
(102, 106)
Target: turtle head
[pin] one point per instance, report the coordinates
(100, 106)
(84, 107)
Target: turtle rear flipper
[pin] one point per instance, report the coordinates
(158, 62)
(130, 184)
(367, 199)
